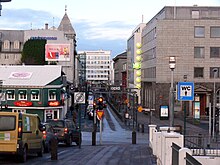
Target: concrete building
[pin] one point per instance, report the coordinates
(12, 42)
(120, 70)
(192, 35)
(97, 66)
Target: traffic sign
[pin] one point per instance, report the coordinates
(185, 91)
(100, 114)
(79, 97)
(140, 109)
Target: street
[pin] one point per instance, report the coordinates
(116, 147)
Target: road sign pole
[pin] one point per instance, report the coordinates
(100, 131)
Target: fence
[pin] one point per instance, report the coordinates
(202, 145)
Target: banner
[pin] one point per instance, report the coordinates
(57, 52)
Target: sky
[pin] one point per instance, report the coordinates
(99, 24)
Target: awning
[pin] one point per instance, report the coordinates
(10, 92)
(22, 92)
(35, 92)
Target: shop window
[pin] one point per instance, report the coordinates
(52, 95)
(35, 95)
(10, 94)
(22, 95)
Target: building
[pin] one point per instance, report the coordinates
(120, 70)
(192, 36)
(23, 91)
(12, 42)
(97, 66)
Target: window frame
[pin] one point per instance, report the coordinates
(196, 28)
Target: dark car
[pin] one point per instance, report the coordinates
(48, 136)
(66, 131)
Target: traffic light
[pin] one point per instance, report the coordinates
(100, 103)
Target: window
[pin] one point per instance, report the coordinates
(199, 52)
(10, 95)
(16, 44)
(22, 94)
(198, 72)
(215, 32)
(7, 123)
(6, 44)
(35, 95)
(195, 14)
(214, 74)
(199, 31)
(52, 95)
(215, 52)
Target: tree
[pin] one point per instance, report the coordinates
(34, 52)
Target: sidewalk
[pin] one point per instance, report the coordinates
(191, 128)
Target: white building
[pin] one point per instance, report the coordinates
(97, 66)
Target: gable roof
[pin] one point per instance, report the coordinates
(29, 75)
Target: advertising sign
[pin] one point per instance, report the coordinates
(57, 52)
(164, 112)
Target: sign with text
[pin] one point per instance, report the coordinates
(185, 91)
(115, 88)
(57, 52)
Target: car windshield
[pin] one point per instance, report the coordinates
(7, 123)
(56, 123)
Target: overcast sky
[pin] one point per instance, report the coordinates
(99, 24)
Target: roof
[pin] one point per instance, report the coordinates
(66, 26)
(29, 75)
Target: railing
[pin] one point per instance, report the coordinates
(190, 160)
(202, 145)
(175, 154)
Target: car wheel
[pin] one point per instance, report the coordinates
(40, 153)
(69, 141)
(23, 156)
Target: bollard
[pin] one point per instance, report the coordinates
(93, 138)
(142, 128)
(200, 140)
(54, 148)
(133, 137)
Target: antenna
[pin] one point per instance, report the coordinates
(65, 8)
(53, 23)
(142, 18)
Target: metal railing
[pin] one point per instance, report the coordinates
(203, 145)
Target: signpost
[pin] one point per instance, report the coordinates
(185, 93)
(100, 114)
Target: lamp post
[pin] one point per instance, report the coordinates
(215, 71)
(172, 65)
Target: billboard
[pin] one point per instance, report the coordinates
(57, 52)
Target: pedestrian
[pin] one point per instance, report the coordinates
(74, 116)
(71, 109)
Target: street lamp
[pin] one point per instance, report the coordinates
(172, 65)
(215, 71)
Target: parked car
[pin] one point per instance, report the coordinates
(66, 131)
(48, 136)
(20, 134)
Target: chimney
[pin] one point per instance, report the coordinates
(46, 26)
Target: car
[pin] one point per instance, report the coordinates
(48, 136)
(66, 131)
(21, 134)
